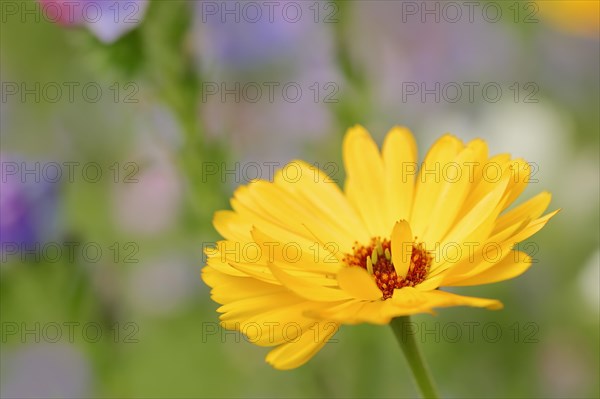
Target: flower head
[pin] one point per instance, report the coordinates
(301, 257)
(579, 17)
(107, 20)
(27, 208)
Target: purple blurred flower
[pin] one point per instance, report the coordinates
(108, 20)
(238, 41)
(27, 208)
(45, 371)
(239, 50)
(250, 45)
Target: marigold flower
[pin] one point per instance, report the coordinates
(301, 257)
(579, 17)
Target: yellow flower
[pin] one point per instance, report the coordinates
(301, 257)
(581, 17)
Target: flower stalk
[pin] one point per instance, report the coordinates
(400, 326)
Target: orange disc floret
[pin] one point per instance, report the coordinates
(382, 268)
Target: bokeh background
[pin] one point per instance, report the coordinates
(135, 320)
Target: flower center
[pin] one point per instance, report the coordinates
(376, 258)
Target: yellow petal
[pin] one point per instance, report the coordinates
(294, 215)
(429, 182)
(357, 311)
(409, 297)
(296, 352)
(512, 266)
(269, 326)
(306, 256)
(320, 195)
(251, 210)
(478, 214)
(486, 178)
(430, 283)
(521, 171)
(533, 227)
(454, 189)
(288, 317)
(358, 283)
(400, 160)
(259, 272)
(480, 149)
(231, 226)
(364, 183)
(251, 307)
(277, 333)
(271, 208)
(226, 288)
(440, 298)
(503, 235)
(402, 240)
(217, 259)
(530, 209)
(491, 251)
(306, 289)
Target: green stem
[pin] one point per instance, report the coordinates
(403, 332)
(177, 80)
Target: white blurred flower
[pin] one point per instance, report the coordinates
(588, 281)
(540, 131)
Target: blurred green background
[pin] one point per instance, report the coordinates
(135, 320)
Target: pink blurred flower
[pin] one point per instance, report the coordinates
(149, 203)
(108, 20)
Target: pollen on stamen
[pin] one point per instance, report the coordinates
(382, 269)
